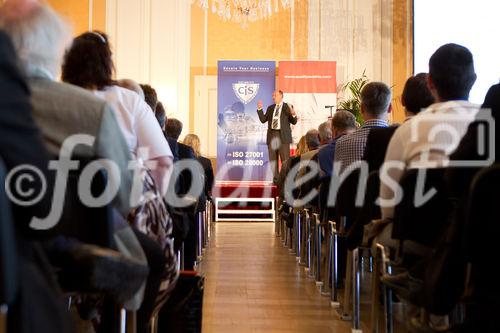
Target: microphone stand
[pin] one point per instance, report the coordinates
(331, 107)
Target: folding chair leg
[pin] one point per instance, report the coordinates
(345, 313)
(312, 237)
(382, 266)
(303, 239)
(131, 322)
(199, 236)
(123, 321)
(319, 236)
(4, 309)
(334, 269)
(308, 242)
(356, 290)
(375, 296)
(298, 243)
(205, 228)
(154, 324)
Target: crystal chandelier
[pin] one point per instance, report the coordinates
(244, 11)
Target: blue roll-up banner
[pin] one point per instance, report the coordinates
(241, 138)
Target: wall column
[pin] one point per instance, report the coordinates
(151, 41)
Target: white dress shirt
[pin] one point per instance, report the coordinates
(277, 116)
(425, 141)
(137, 122)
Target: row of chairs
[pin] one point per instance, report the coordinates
(339, 231)
(87, 225)
(204, 230)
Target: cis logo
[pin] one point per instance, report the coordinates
(246, 91)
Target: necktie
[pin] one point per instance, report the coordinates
(276, 118)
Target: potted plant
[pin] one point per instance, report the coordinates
(351, 90)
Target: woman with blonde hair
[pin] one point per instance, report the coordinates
(301, 147)
(193, 141)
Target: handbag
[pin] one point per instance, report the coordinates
(182, 313)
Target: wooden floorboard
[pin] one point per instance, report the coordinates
(253, 284)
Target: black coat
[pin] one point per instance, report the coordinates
(209, 174)
(286, 119)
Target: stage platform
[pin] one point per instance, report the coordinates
(245, 201)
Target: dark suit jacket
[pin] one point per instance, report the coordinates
(183, 152)
(38, 306)
(174, 147)
(285, 120)
(21, 140)
(209, 174)
(376, 146)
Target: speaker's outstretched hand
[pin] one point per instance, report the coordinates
(259, 105)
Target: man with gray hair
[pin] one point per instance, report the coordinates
(375, 106)
(41, 37)
(343, 123)
(61, 110)
(312, 139)
(325, 133)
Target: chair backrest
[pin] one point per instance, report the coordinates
(483, 214)
(368, 212)
(327, 213)
(93, 225)
(423, 222)
(345, 205)
(311, 184)
(8, 249)
(370, 207)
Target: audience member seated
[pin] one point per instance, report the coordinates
(193, 141)
(289, 165)
(416, 97)
(173, 130)
(474, 241)
(152, 99)
(150, 96)
(451, 77)
(325, 133)
(39, 305)
(88, 64)
(306, 164)
(62, 110)
(461, 178)
(161, 115)
(313, 143)
(132, 86)
(343, 123)
(375, 105)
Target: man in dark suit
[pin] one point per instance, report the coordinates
(279, 116)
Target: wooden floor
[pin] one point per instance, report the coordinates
(253, 284)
